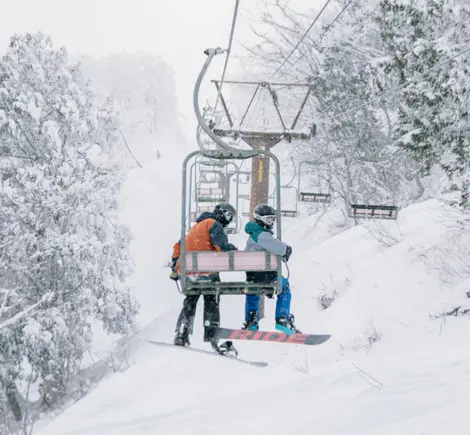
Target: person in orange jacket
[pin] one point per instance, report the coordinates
(207, 234)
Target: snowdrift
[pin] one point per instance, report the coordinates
(394, 365)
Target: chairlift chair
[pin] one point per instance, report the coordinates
(194, 263)
(366, 211)
(289, 212)
(317, 196)
(245, 213)
(211, 191)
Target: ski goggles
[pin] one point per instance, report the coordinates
(269, 219)
(228, 215)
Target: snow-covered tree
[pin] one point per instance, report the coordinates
(64, 257)
(423, 40)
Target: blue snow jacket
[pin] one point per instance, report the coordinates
(262, 239)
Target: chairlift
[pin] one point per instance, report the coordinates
(370, 203)
(196, 262)
(316, 196)
(245, 213)
(247, 177)
(210, 194)
(366, 211)
(291, 212)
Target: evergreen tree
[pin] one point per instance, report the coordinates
(64, 257)
(423, 38)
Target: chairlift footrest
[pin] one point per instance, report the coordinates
(211, 199)
(191, 290)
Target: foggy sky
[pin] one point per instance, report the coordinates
(178, 30)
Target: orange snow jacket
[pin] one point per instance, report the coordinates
(207, 235)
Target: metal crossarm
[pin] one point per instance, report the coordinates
(288, 134)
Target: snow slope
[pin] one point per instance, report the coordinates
(390, 368)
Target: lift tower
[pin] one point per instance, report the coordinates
(263, 140)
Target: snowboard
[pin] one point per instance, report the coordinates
(207, 352)
(275, 337)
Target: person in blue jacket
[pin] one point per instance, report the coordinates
(261, 238)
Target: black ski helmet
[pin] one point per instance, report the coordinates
(225, 213)
(264, 215)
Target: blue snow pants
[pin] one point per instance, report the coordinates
(282, 304)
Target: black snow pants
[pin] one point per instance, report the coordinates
(188, 312)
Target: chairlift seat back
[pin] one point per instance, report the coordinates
(289, 213)
(233, 261)
(315, 197)
(210, 191)
(373, 211)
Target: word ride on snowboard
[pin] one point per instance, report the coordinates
(277, 337)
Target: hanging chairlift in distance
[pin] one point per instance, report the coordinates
(291, 212)
(206, 198)
(222, 192)
(316, 196)
(366, 211)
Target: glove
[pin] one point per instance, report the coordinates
(174, 276)
(174, 261)
(287, 254)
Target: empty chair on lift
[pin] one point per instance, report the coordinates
(373, 211)
(211, 194)
(314, 197)
(289, 213)
(319, 194)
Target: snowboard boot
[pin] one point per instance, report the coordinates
(252, 322)
(210, 329)
(285, 324)
(182, 336)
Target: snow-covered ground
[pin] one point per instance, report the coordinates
(392, 366)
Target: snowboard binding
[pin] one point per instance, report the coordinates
(226, 348)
